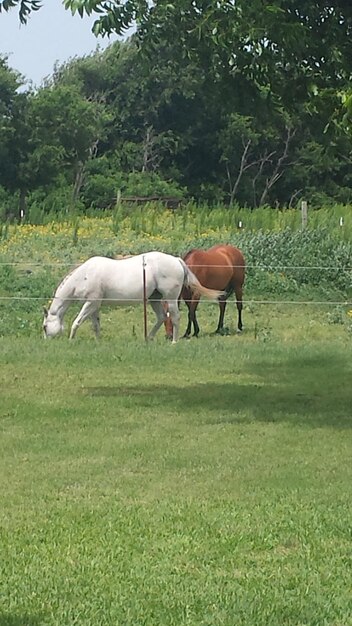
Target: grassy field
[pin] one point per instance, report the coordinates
(202, 484)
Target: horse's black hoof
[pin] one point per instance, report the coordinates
(224, 332)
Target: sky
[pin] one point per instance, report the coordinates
(51, 34)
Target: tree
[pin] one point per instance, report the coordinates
(12, 113)
(310, 36)
(237, 99)
(69, 127)
(10, 81)
(25, 7)
(229, 139)
(46, 134)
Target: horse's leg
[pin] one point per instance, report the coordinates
(96, 323)
(239, 303)
(88, 309)
(189, 323)
(175, 319)
(161, 316)
(193, 317)
(186, 294)
(222, 307)
(167, 322)
(191, 300)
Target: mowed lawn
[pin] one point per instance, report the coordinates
(207, 483)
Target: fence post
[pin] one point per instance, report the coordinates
(304, 212)
(144, 300)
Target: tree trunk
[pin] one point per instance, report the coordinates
(78, 181)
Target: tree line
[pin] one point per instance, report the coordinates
(223, 102)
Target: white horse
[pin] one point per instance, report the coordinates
(101, 280)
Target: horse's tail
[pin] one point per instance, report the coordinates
(192, 282)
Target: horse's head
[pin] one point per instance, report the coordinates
(52, 325)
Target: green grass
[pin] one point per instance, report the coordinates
(202, 484)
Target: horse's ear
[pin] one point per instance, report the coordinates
(46, 312)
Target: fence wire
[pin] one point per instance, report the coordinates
(263, 267)
(131, 301)
(277, 269)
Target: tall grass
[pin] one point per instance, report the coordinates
(281, 264)
(152, 218)
(315, 263)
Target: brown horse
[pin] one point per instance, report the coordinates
(221, 267)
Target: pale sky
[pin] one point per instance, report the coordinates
(51, 34)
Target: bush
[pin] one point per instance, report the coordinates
(150, 184)
(44, 206)
(313, 257)
(100, 191)
(8, 206)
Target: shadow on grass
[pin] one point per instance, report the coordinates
(313, 392)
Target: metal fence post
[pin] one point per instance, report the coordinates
(145, 300)
(304, 211)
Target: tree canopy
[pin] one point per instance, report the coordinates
(244, 102)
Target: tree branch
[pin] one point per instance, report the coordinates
(277, 173)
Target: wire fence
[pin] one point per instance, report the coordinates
(264, 267)
(249, 301)
(133, 301)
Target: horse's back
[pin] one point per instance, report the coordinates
(124, 277)
(106, 266)
(97, 263)
(168, 272)
(217, 267)
(90, 278)
(98, 269)
(235, 257)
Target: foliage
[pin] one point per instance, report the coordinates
(150, 184)
(104, 190)
(11, 109)
(243, 103)
(311, 257)
(25, 7)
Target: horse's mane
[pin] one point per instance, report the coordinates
(66, 278)
(185, 257)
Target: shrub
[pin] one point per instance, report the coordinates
(314, 257)
(150, 184)
(100, 191)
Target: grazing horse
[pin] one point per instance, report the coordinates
(103, 280)
(221, 267)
